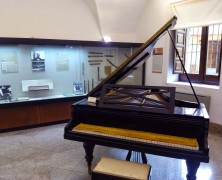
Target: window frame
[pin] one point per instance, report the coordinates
(200, 78)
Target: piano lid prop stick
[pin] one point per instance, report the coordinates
(98, 74)
(178, 54)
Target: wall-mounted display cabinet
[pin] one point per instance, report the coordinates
(65, 68)
(40, 70)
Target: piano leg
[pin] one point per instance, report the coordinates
(192, 167)
(89, 154)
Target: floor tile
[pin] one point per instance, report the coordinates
(43, 153)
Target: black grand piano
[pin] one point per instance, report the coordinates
(146, 119)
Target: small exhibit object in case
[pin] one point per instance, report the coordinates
(5, 92)
(77, 88)
(35, 85)
(115, 169)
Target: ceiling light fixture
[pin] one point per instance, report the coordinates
(107, 38)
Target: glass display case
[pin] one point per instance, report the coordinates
(32, 71)
(40, 79)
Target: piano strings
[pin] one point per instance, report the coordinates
(126, 95)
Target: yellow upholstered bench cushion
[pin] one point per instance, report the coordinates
(122, 169)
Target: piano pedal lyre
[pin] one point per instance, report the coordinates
(136, 156)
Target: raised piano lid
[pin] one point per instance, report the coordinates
(134, 61)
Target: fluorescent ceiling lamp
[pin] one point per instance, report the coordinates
(107, 38)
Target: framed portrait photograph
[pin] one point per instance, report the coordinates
(37, 55)
(38, 61)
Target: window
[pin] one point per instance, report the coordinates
(200, 51)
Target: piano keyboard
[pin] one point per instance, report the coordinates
(138, 136)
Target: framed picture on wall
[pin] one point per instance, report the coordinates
(37, 55)
(38, 66)
(38, 60)
(9, 61)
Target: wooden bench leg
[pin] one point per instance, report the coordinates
(143, 156)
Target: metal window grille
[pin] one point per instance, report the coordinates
(213, 51)
(193, 46)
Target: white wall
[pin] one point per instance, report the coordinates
(73, 19)
(51, 19)
(154, 17)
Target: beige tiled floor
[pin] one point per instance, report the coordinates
(42, 153)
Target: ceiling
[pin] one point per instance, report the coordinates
(117, 16)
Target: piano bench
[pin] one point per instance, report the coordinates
(115, 169)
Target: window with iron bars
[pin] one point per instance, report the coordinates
(200, 50)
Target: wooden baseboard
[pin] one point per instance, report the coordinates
(215, 128)
(33, 126)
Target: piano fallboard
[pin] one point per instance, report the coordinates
(187, 125)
